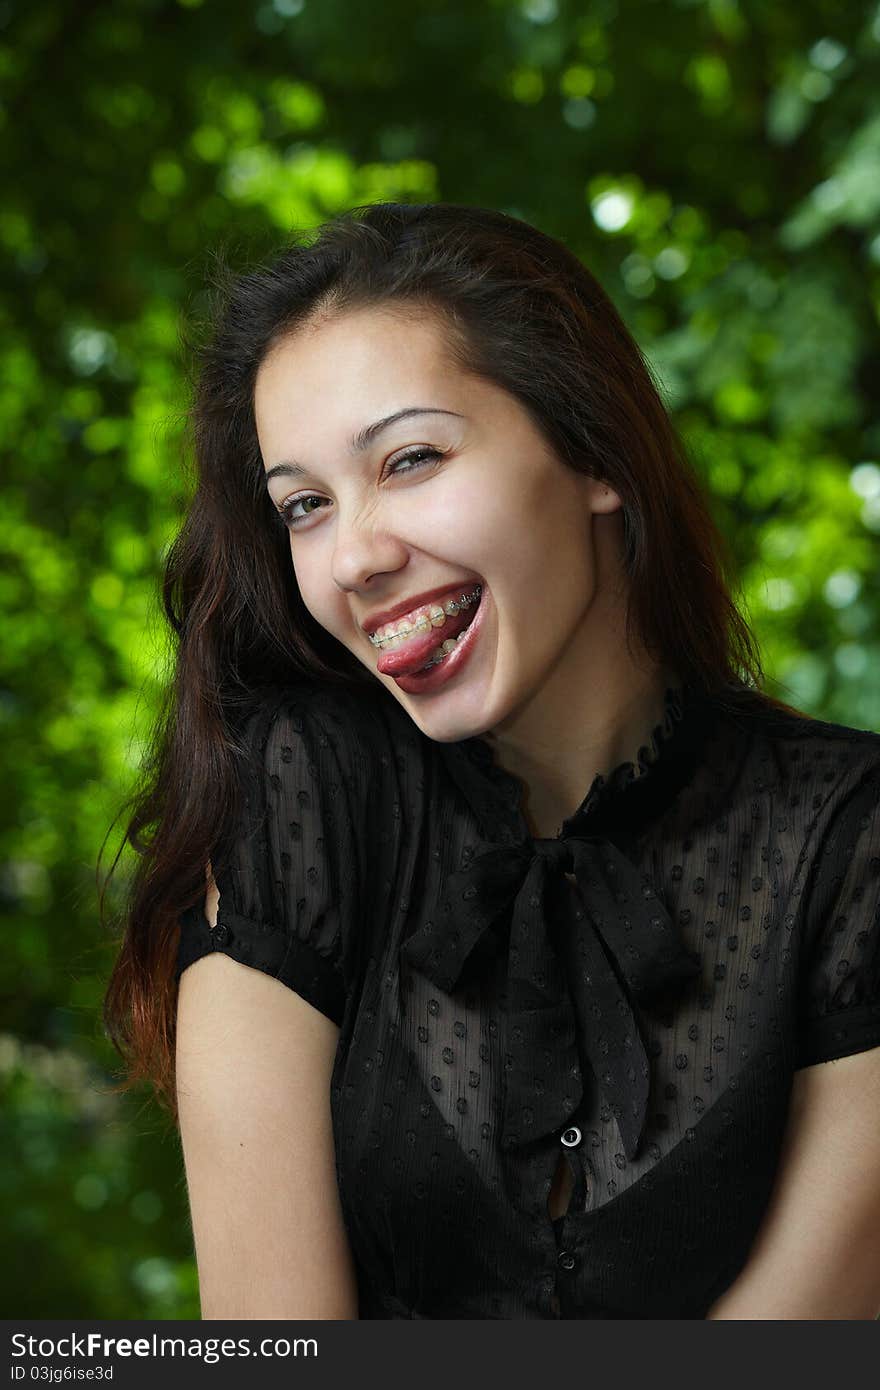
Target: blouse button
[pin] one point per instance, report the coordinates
(221, 935)
(566, 1260)
(571, 1137)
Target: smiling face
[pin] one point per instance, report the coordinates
(466, 492)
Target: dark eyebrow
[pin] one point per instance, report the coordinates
(363, 439)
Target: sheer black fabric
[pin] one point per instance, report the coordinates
(623, 1006)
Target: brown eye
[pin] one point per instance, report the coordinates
(289, 516)
(427, 454)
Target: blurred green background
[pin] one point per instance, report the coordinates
(715, 162)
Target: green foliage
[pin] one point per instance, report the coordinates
(713, 161)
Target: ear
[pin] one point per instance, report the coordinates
(602, 497)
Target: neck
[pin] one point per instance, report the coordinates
(557, 750)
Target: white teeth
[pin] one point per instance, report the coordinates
(395, 634)
(444, 649)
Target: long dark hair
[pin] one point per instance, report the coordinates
(516, 308)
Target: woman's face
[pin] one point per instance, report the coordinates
(459, 490)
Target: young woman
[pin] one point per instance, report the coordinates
(528, 954)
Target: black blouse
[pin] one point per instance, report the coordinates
(630, 999)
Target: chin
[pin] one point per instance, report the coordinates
(449, 729)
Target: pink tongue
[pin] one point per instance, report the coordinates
(417, 650)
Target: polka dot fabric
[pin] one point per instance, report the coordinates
(615, 1015)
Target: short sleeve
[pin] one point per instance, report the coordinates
(288, 883)
(840, 976)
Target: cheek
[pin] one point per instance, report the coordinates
(467, 522)
(318, 595)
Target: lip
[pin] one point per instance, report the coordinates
(388, 615)
(417, 683)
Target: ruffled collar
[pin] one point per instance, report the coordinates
(624, 801)
(579, 968)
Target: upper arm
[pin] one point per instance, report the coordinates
(265, 973)
(254, 1061)
(817, 1254)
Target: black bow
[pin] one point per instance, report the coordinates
(573, 972)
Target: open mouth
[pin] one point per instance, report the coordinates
(436, 668)
(434, 640)
(449, 644)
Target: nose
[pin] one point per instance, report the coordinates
(364, 548)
